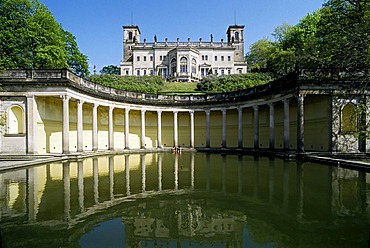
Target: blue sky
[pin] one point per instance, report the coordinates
(97, 24)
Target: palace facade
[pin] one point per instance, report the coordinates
(183, 61)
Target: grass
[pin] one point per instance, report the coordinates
(179, 88)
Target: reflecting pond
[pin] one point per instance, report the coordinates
(184, 200)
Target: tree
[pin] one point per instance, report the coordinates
(110, 70)
(31, 38)
(344, 34)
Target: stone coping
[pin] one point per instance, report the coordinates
(320, 81)
(343, 160)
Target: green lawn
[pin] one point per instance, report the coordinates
(179, 88)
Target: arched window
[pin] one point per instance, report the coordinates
(183, 65)
(173, 66)
(15, 120)
(348, 118)
(193, 66)
(130, 35)
(236, 35)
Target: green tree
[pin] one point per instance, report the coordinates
(110, 70)
(344, 34)
(31, 38)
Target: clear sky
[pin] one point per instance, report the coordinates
(97, 24)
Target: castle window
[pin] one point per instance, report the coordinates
(164, 58)
(173, 66)
(126, 72)
(183, 64)
(144, 72)
(193, 66)
(15, 120)
(130, 35)
(138, 72)
(236, 35)
(240, 71)
(215, 58)
(222, 58)
(151, 58)
(138, 58)
(348, 118)
(222, 72)
(228, 58)
(229, 71)
(160, 58)
(144, 58)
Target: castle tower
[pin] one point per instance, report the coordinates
(131, 35)
(235, 35)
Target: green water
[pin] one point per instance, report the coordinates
(186, 200)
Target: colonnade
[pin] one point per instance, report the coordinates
(208, 110)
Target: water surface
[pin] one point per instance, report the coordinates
(184, 200)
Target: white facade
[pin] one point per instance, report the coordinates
(183, 61)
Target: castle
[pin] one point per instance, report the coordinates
(183, 61)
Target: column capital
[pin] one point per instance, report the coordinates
(95, 105)
(142, 111)
(159, 112)
(80, 102)
(240, 109)
(255, 107)
(111, 108)
(223, 110)
(191, 112)
(271, 104)
(65, 97)
(286, 101)
(208, 112)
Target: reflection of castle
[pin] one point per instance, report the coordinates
(184, 220)
(69, 193)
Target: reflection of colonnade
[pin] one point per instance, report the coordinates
(101, 183)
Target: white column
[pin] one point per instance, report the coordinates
(159, 129)
(272, 126)
(223, 128)
(31, 125)
(286, 125)
(175, 129)
(65, 133)
(208, 128)
(256, 127)
(80, 146)
(240, 127)
(142, 128)
(127, 128)
(300, 123)
(191, 129)
(110, 128)
(95, 128)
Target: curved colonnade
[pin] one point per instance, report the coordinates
(62, 113)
